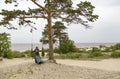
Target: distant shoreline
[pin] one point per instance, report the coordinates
(83, 45)
(28, 46)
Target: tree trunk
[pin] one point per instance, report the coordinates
(51, 56)
(60, 45)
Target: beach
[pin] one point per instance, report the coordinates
(24, 68)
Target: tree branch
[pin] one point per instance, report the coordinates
(39, 5)
(32, 17)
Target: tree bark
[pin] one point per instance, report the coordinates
(60, 45)
(51, 54)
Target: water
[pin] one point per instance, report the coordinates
(23, 47)
(82, 45)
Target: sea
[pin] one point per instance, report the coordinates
(28, 46)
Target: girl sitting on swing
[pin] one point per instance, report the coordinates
(37, 56)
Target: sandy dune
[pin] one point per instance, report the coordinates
(107, 64)
(66, 69)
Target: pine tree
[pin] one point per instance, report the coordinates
(52, 9)
(59, 34)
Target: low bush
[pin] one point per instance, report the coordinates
(27, 53)
(68, 46)
(94, 54)
(13, 54)
(46, 50)
(56, 50)
(72, 56)
(9, 55)
(115, 54)
(95, 49)
(18, 54)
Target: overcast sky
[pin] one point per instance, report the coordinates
(105, 29)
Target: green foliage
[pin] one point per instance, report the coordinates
(71, 56)
(73, 15)
(44, 38)
(112, 48)
(4, 44)
(13, 54)
(117, 46)
(115, 54)
(94, 54)
(95, 49)
(58, 34)
(82, 50)
(55, 9)
(67, 46)
(46, 50)
(56, 50)
(27, 53)
(108, 49)
(9, 55)
(17, 54)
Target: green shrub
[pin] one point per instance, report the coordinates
(13, 54)
(18, 54)
(95, 49)
(108, 49)
(46, 50)
(68, 46)
(94, 54)
(71, 56)
(56, 50)
(82, 50)
(117, 46)
(9, 55)
(4, 44)
(27, 53)
(115, 54)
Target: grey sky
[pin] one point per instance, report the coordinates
(105, 29)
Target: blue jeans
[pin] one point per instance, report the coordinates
(38, 59)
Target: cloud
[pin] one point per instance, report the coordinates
(106, 3)
(105, 29)
(115, 2)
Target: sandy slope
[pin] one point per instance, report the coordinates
(15, 61)
(26, 69)
(107, 64)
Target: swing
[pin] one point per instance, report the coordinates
(35, 53)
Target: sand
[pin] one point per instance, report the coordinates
(65, 69)
(106, 64)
